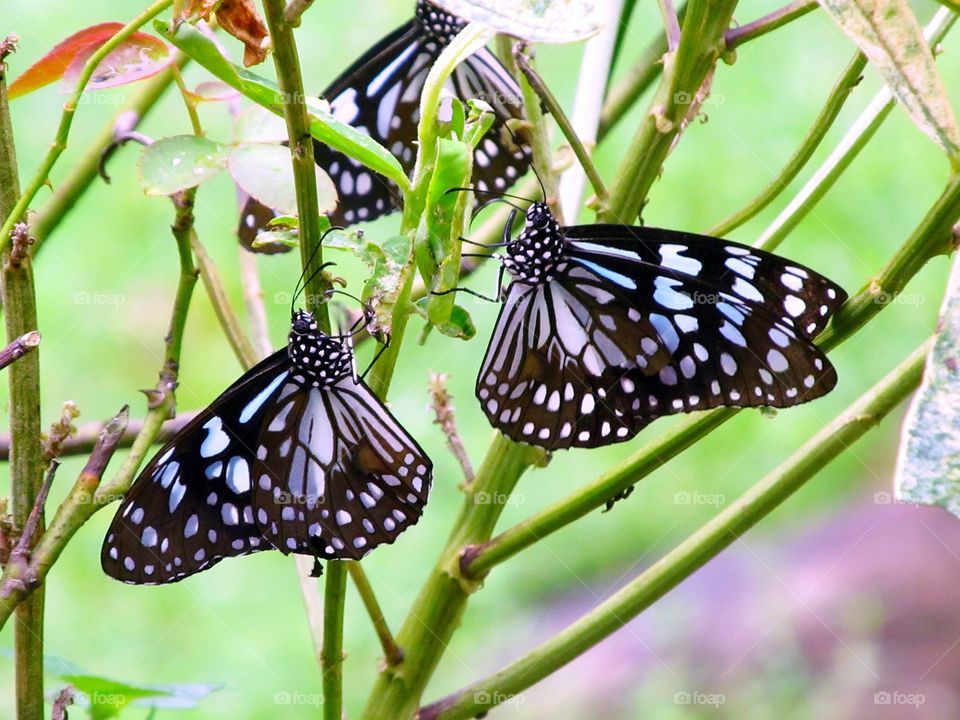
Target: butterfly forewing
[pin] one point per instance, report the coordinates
(192, 504)
(336, 474)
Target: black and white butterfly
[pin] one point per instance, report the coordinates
(379, 95)
(604, 328)
(298, 455)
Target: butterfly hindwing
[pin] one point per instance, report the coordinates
(191, 506)
(336, 473)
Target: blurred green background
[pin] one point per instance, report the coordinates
(740, 630)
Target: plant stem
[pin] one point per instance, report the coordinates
(84, 171)
(289, 78)
(685, 73)
(555, 109)
(88, 495)
(768, 23)
(66, 119)
(26, 454)
(824, 121)
(391, 651)
(440, 605)
(705, 544)
(331, 659)
(229, 321)
(671, 24)
(19, 347)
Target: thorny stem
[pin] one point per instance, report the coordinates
(26, 456)
(66, 119)
(768, 23)
(88, 493)
(705, 544)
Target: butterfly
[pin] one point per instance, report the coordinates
(379, 95)
(298, 456)
(605, 328)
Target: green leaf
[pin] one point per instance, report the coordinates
(107, 698)
(887, 32)
(323, 126)
(550, 21)
(928, 465)
(176, 163)
(264, 172)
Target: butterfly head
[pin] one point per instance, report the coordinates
(536, 251)
(440, 25)
(323, 358)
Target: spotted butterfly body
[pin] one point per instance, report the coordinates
(608, 327)
(379, 95)
(298, 455)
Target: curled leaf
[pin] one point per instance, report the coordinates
(550, 21)
(137, 57)
(241, 19)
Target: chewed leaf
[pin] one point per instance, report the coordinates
(928, 466)
(264, 172)
(137, 57)
(176, 163)
(889, 35)
(550, 21)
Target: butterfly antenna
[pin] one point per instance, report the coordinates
(498, 196)
(301, 283)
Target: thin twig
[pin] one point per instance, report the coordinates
(229, 321)
(768, 23)
(671, 24)
(555, 109)
(8, 46)
(253, 301)
(442, 404)
(295, 10)
(19, 347)
(60, 430)
(392, 652)
(21, 551)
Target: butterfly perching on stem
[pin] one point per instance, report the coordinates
(379, 94)
(298, 455)
(605, 328)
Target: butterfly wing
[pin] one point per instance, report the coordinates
(554, 370)
(336, 474)
(737, 322)
(499, 160)
(191, 506)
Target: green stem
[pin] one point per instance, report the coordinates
(391, 651)
(566, 127)
(331, 658)
(66, 119)
(685, 71)
(84, 171)
(441, 603)
(724, 529)
(229, 322)
(26, 456)
(290, 79)
(88, 495)
(824, 121)
(188, 102)
(768, 23)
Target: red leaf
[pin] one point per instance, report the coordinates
(139, 56)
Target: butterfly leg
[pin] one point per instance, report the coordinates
(383, 349)
(622, 495)
(317, 568)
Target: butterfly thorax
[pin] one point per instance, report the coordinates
(322, 358)
(537, 251)
(438, 24)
